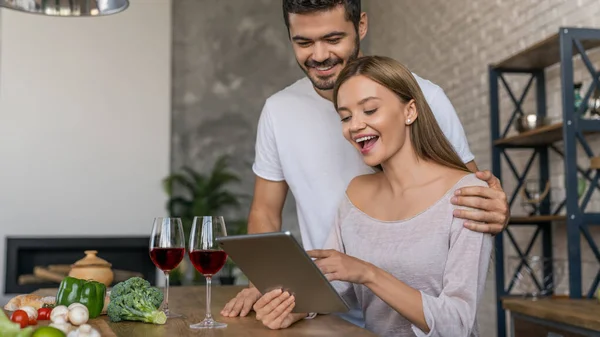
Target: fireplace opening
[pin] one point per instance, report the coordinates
(41, 262)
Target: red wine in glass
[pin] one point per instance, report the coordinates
(207, 258)
(208, 262)
(167, 259)
(167, 248)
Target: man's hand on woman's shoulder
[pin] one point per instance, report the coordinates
(491, 212)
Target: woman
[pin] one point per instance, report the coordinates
(396, 248)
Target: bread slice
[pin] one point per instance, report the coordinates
(31, 300)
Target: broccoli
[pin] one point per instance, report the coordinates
(139, 285)
(126, 286)
(132, 307)
(155, 296)
(136, 300)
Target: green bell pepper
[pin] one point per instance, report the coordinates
(89, 293)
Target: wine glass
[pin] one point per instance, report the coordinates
(167, 248)
(207, 258)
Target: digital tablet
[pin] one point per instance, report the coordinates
(277, 261)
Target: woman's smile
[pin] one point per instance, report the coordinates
(366, 142)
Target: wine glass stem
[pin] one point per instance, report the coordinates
(167, 293)
(208, 293)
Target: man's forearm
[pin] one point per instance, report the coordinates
(472, 166)
(260, 222)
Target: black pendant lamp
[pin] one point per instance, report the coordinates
(67, 8)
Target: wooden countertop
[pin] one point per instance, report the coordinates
(583, 313)
(190, 301)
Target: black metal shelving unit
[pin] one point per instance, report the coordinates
(556, 49)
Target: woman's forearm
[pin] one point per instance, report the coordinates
(398, 295)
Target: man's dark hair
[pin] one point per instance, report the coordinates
(352, 8)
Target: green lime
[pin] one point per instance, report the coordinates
(48, 331)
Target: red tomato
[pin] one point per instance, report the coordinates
(44, 314)
(20, 316)
(32, 322)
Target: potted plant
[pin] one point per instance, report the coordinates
(194, 194)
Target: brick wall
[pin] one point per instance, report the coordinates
(451, 43)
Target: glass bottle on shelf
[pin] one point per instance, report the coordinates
(578, 98)
(581, 186)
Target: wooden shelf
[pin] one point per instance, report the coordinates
(522, 220)
(582, 313)
(544, 135)
(541, 55)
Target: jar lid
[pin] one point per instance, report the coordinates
(91, 260)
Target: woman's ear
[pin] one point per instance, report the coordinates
(410, 112)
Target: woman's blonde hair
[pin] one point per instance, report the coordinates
(428, 140)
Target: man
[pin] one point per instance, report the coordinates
(300, 145)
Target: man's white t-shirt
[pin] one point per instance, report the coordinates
(299, 140)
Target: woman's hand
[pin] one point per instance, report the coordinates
(274, 310)
(342, 267)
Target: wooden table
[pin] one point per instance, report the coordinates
(562, 317)
(190, 301)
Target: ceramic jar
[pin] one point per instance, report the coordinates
(91, 267)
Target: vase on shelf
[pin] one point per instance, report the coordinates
(540, 276)
(533, 193)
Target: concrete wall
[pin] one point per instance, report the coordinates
(227, 59)
(452, 43)
(84, 123)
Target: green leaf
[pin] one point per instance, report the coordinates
(178, 206)
(220, 176)
(203, 194)
(200, 208)
(176, 178)
(220, 164)
(225, 199)
(198, 179)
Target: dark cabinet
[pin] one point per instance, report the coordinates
(524, 326)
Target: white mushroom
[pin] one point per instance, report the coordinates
(79, 314)
(76, 304)
(60, 310)
(85, 330)
(60, 322)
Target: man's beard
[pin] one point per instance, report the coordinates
(328, 82)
